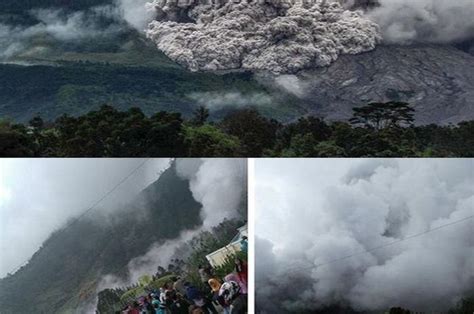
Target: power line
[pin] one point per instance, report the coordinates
(388, 244)
(93, 206)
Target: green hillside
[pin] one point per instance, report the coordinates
(64, 272)
(51, 77)
(76, 88)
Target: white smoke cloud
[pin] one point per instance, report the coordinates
(275, 36)
(219, 185)
(313, 212)
(135, 13)
(159, 254)
(292, 84)
(220, 100)
(432, 21)
(38, 196)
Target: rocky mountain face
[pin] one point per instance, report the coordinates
(437, 80)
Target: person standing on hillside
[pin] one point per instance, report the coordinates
(244, 244)
(180, 305)
(241, 269)
(234, 301)
(178, 285)
(157, 304)
(197, 297)
(203, 273)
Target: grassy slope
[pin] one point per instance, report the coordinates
(134, 73)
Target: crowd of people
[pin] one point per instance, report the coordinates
(228, 296)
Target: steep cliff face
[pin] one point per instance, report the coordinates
(63, 274)
(437, 80)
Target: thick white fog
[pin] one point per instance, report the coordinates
(316, 219)
(38, 196)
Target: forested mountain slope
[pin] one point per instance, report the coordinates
(63, 274)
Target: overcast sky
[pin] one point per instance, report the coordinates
(37, 196)
(314, 211)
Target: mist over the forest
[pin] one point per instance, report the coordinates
(52, 26)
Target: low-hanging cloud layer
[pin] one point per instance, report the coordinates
(312, 215)
(55, 25)
(220, 100)
(38, 197)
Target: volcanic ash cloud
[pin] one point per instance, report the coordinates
(274, 35)
(328, 253)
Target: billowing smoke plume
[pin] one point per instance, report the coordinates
(288, 36)
(428, 21)
(314, 218)
(220, 186)
(276, 36)
(135, 13)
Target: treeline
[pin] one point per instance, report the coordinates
(376, 130)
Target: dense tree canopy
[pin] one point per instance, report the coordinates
(110, 132)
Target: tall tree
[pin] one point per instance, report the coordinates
(383, 115)
(255, 132)
(201, 114)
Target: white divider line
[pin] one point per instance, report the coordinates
(251, 232)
